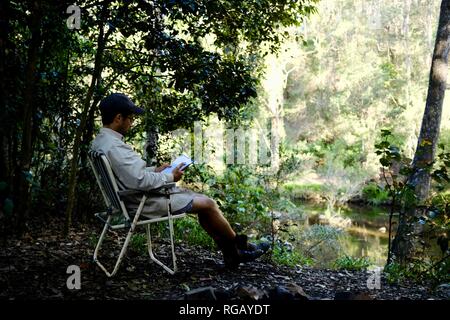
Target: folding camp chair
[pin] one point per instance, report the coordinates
(116, 207)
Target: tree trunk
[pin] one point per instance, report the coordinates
(405, 244)
(429, 31)
(23, 168)
(73, 175)
(85, 142)
(151, 147)
(5, 171)
(407, 9)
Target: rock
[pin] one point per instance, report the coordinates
(291, 292)
(313, 219)
(276, 214)
(222, 294)
(348, 295)
(382, 229)
(341, 222)
(298, 292)
(250, 293)
(444, 290)
(205, 293)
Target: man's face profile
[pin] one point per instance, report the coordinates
(123, 124)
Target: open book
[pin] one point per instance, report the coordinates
(187, 162)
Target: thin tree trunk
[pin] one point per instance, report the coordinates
(406, 47)
(152, 145)
(429, 31)
(404, 245)
(87, 137)
(4, 130)
(73, 175)
(23, 168)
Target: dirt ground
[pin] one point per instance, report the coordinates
(35, 267)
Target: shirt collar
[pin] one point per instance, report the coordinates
(111, 132)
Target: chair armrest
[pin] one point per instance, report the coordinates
(166, 186)
(130, 192)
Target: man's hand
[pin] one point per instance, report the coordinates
(177, 173)
(161, 168)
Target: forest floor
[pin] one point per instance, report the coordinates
(35, 267)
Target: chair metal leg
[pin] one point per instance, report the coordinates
(174, 258)
(169, 218)
(97, 249)
(150, 251)
(125, 245)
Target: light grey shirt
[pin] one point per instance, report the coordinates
(128, 166)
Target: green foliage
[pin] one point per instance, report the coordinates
(138, 243)
(290, 258)
(374, 194)
(189, 230)
(303, 191)
(388, 153)
(342, 175)
(93, 240)
(419, 271)
(290, 162)
(433, 213)
(285, 205)
(233, 22)
(240, 195)
(441, 174)
(395, 273)
(320, 243)
(352, 263)
(389, 157)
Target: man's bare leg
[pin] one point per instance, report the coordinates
(235, 248)
(212, 219)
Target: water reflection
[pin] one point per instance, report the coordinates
(365, 230)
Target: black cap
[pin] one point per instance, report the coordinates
(119, 102)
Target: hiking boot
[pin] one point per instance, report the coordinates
(243, 244)
(240, 250)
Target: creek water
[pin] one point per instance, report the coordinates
(365, 231)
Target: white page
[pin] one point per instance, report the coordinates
(187, 161)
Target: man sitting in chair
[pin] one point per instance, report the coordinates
(131, 172)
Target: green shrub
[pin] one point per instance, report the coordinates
(138, 243)
(375, 195)
(319, 243)
(289, 258)
(418, 271)
(190, 231)
(187, 229)
(303, 191)
(238, 192)
(352, 263)
(93, 240)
